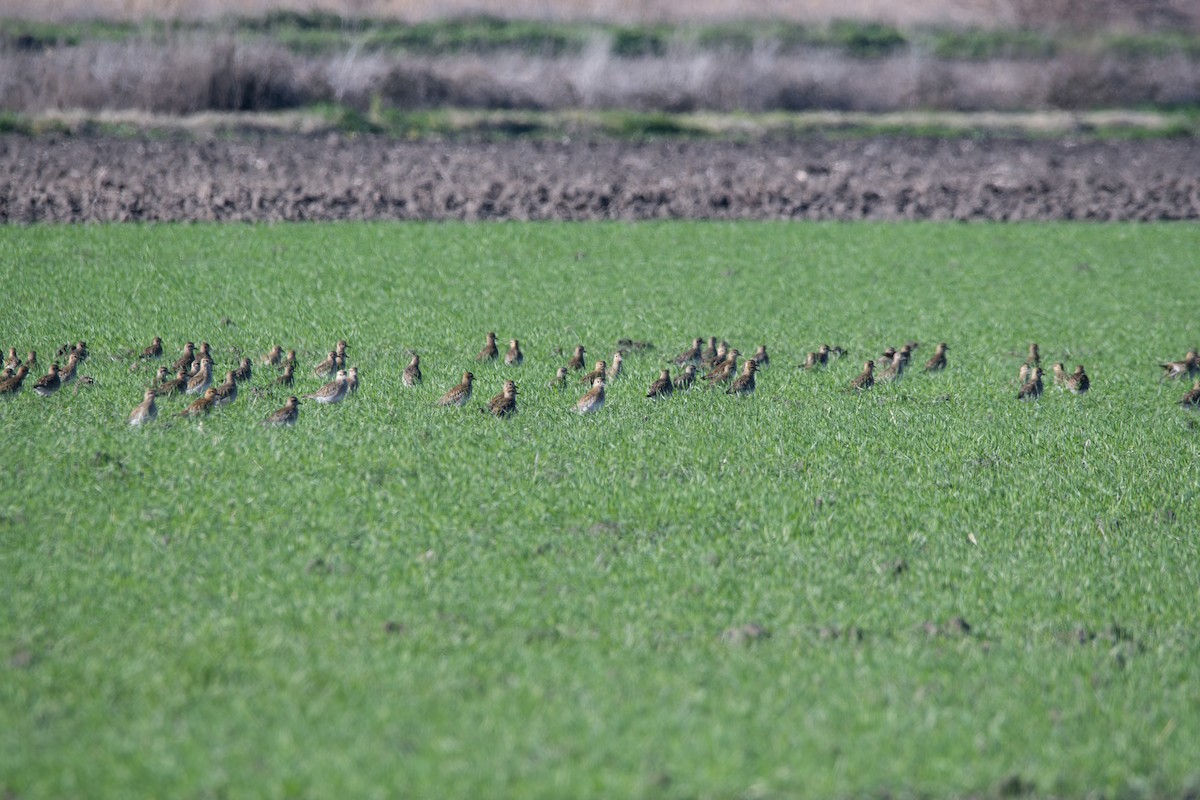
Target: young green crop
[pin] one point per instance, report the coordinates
(396, 599)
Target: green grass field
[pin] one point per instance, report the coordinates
(397, 600)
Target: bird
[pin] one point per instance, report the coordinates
(614, 369)
(286, 415)
(288, 376)
(290, 359)
(49, 383)
(161, 375)
(1024, 374)
(577, 361)
(273, 357)
(340, 349)
(67, 374)
(145, 410)
(12, 359)
(80, 349)
(1175, 369)
(31, 359)
(460, 394)
(593, 400)
(684, 381)
(1192, 398)
(761, 359)
(815, 359)
(155, 350)
(599, 372)
(352, 380)
(691, 355)
(227, 392)
(201, 379)
(866, 378)
(888, 356)
(185, 360)
(560, 379)
(13, 385)
(244, 371)
(1060, 373)
(725, 370)
(201, 405)
(1034, 358)
(412, 373)
(202, 353)
(177, 385)
(719, 357)
(1078, 381)
(332, 392)
(503, 404)
(710, 352)
(1032, 389)
(938, 362)
(743, 385)
(514, 357)
(327, 367)
(895, 370)
(662, 387)
(489, 351)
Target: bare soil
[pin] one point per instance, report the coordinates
(273, 178)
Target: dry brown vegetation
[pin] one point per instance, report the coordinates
(203, 71)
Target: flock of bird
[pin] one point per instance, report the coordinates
(192, 374)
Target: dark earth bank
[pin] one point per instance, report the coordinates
(55, 178)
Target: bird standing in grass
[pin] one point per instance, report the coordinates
(155, 350)
(560, 379)
(201, 379)
(332, 392)
(272, 358)
(204, 352)
(1034, 358)
(685, 380)
(1191, 400)
(178, 385)
(286, 415)
(503, 404)
(290, 359)
(593, 401)
(327, 367)
(12, 359)
(599, 372)
(1060, 373)
(12, 385)
(161, 375)
(1024, 374)
(725, 370)
(865, 379)
(489, 351)
(80, 349)
(352, 380)
(49, 383)
(761, 359)
(938, 362)
(67, 374)
(514, 357)
(614, 369)
(288, 376)
(460, 394)
(577, 360)
(244, 371)
(743, 385)
(145, 410)
(1032, 389)
(662, 387)
(1078, 382)
(184, 362)
(227, 392)
(1189, 366)
(201, 405)
(412, 373)
(691, 355)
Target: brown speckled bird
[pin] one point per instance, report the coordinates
(31, 359)
(290, 359)
(577, 361)
(1034, 358)
(614, 369)
(13, 385)
(12, 359)
(895, 370)
(288, 377)
(599, 372)
(761, 358)
(67, 373)
(185, 361)
(177, 385)
(49, 383)
(273, 357)
(560, 379)
(593, 400)
(725, 370)
(1024, 374)
(1032, 389)
(460, 394)
(743, 385)
(340, 349)
(503, 404)
(227, 392)
(865, 379)
(938, 362)
(155, 350)
(327, 367)
(663, 387)
(1078, 382)
(1191, 400)
(1189, 366)
(412, 373)
(202, 353)
(691, 355)
(80, 349)
(145, 410)
(489, 351)
(686, 379)
(514, 357)
(161, 375)
(352, 380)
(201, 405)
(286, 415)
(244, 371)
(332, 392)
(201, 379)
(1060, 373)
